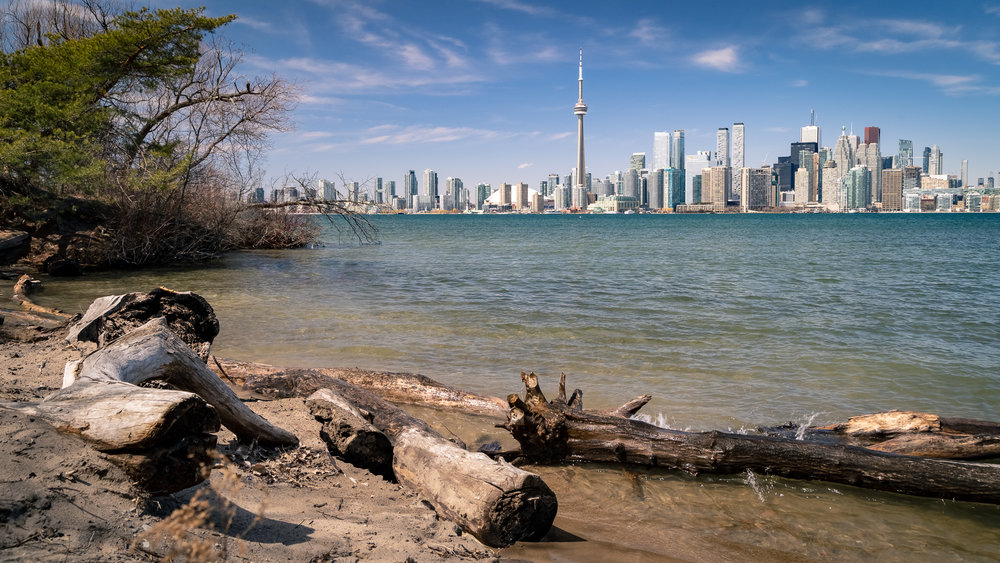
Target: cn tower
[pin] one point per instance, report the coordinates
(580, 109)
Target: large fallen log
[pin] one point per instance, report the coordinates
(494, 501)
(187, 314)
(154, 352)
(281, 382)
(557, 431)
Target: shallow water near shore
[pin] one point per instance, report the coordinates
(730, 322)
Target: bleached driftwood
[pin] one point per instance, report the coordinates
(349, 435)
(188, 315)
(494, 501)
(555, 431)
(154, 352)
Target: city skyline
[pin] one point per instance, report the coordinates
(388, 87)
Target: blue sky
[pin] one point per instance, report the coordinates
(483, 90)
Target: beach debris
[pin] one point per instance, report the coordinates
(557, 431)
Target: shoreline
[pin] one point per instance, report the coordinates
(300, 504)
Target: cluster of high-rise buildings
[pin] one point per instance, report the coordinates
(852, 176)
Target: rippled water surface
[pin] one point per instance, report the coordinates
(728, 321)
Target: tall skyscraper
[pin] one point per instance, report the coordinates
(868, 155)
(409, 187)
(637, 161)
(965, 173)
(858, 188)
(892, 189)
(843, 154)
(430, 183)
(905, 157)
(722, 147)
(580, 109)
(927, 159)
(935, 164)
(738, 160)
(693, 166)
(811, 133)
(871, 135)
(654, 188)
(757, 192)
(661, 149)
(630, 183)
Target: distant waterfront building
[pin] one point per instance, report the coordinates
(390, 190)
(409, 187)
(637, 161)
(326, 190)
(722, 147)
(905, 157)
(756, 193)
(677, 149)
(927, 160)
(858, 188)
(673, 187)
(832, 196)
(430, 183)
(520, 197)
(911, 178)
(843, 154)
(353, 190)
(869, 156)
(738, 160)
(630, 183)
(693, 166)
(562, 198)
(505, 194)
(537, 202)
(483, 192)
(935, 164)
(379, 191)
(661, 149)
(696, 190)
(973, 202)
(614, 204)
(654, 188)
(892, 189)
(803, 180)
(944, 202)
(965, 173)
(811, 133)
(716, 182)
(553, 182)
(872, 135)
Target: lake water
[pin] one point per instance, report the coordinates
(729, 321)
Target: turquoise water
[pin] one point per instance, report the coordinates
(729, 321)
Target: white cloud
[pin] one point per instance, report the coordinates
(422, 134)
(523, 7)
(312, 135)
(648, 32)
(559, 136)
(415, 57)
(726, 59)
(525, 165)
(951, 84)
(799, 83)
(259, 25)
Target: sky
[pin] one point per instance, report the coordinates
(483, 90)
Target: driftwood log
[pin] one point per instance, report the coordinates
(276, 382)
(23, 289)
(154, 352)
(494, 501)
(561, 430)
(349, 434)
(187, 314)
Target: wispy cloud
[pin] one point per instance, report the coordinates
(799, 83)
(726, 59)
(392, 135)
(259, 25)
(895, 36)
(525, 165)
(560, 136)
(523, 7)
(951, 84)
(993, 10)
(649, 32)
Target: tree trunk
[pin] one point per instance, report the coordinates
(494, 501)
(349, 435)
(408, 388)
(154, 352)
(188, 315)
(560, 431)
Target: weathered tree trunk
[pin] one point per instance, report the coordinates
(349, 435)
(154, 352)
(494, 501)
(160, 437)
(555, 431)
(407, 388)
(188, 315)
(23, 288)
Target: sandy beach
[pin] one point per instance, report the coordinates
(61, 500)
